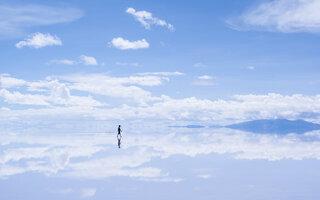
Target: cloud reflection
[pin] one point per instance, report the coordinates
(96, 156)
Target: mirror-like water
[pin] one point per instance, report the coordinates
(172, 163)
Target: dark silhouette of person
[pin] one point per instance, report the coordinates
(119, 130)
(119, 136)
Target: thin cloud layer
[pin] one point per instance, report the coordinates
(63, 61)
(83, 59)
(281, 16)
(14, 19)
(123, 44)
(39, 40)
(146, 19)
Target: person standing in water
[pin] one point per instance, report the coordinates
(119, 130)
(119, 136)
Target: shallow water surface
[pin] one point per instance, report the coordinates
(171, 163)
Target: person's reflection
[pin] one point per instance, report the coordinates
(119, 140)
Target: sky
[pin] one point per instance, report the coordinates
(160, 59)
(71, 71)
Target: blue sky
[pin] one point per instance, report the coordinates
(71, 71)
(209, 51)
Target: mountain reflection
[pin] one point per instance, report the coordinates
(97, 156)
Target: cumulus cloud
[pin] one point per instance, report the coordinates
(123, 44)
(251, 67)
(117, 87)
(14, 19)
(88, 60)
(59, 93)
(135, 101)
(7, 82)
(146, 19)
(18, 98)
(282, 15)
(97, 84)
(39, 40)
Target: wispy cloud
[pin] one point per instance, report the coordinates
(123, 44)
(281, 15)
(63, 61)
(146, 19)
(83, 59)
(39, 40)
(15, 19)
(88, 60)
(199, 64)
(205, 77)
(204, 80)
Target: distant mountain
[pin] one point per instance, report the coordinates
(278, 126)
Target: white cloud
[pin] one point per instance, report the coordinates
(59, 94)
(283, 16)
(146, 19)
(18, 98)
(117, 87)
(136, 102)
(39, 40)
(88, 192)
(64, 62)
(14, 19)
(7, 82)
(205, 77)
(123, 44)
(88, 60)
(204, 80)
(83, 59)
(251, 67)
